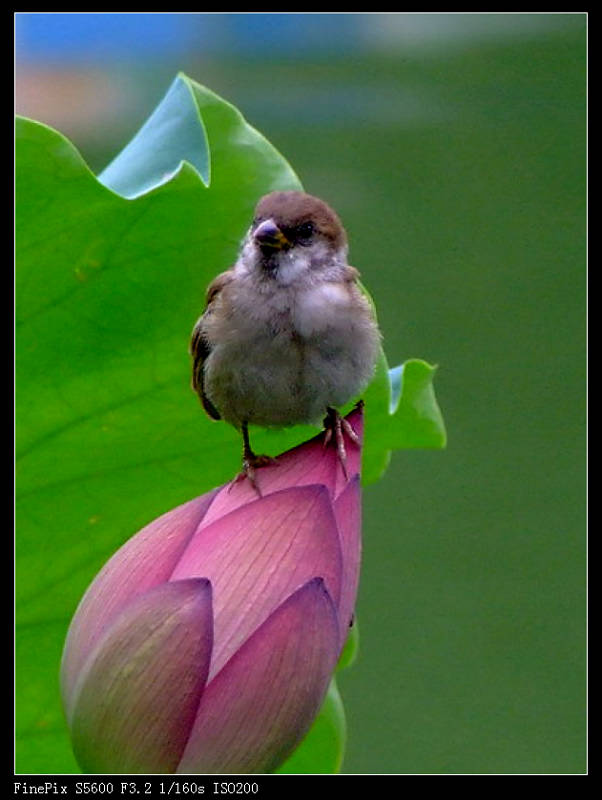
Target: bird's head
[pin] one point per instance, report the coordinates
(294, 235)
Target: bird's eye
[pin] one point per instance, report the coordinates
(305, 230)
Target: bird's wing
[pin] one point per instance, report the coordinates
(200, 347)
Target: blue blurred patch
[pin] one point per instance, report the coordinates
(92, 37)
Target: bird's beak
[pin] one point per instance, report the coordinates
(268, 234)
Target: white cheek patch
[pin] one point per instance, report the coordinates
(302, 260)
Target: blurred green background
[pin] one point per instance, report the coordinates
(453, 147)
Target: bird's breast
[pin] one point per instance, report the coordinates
(282, 360)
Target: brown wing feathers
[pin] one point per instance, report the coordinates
(200, 348)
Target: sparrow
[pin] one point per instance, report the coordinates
(287, 335)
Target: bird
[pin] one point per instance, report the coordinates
(287, 336)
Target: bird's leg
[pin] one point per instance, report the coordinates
(337, 426)
(250, 461)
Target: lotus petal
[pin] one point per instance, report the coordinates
(262, 703)
(138, 694)
(146, 560)
(348, 513)
(259, 554)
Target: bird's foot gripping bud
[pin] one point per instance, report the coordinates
(336, 426)
(251, 462)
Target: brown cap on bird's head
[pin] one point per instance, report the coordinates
(299, 215)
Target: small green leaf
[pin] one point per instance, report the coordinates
(351, 648)
(401, 412)
(417, 420)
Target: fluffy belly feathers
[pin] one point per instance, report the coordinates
(317, 355)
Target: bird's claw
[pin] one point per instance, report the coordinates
(337, 426)
(250, 463)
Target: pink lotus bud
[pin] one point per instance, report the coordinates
(206, 644)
